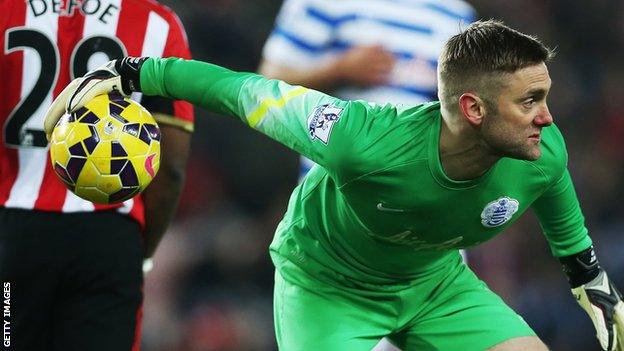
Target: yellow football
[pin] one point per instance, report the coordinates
(107, 151)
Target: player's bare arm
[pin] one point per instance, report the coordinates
(360, 66)
(162, 196)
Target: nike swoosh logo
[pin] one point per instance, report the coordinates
(382, 207)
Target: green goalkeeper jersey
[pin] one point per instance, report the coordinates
(379, 208)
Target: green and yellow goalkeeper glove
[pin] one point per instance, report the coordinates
(598, 297)
(120, 75)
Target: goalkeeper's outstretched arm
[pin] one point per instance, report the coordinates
(302, 119)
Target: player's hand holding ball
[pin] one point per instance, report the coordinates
(103, 146)
(117, 75)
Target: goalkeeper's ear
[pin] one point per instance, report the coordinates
(581, 268)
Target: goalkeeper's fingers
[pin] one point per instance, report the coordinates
(618, 317)
(58, 107)
(76, 95)
(606, 331)
(89, 88)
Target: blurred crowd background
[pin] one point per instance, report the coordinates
(211, 288)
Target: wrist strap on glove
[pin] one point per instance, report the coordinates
(580, 268)
(129, 68)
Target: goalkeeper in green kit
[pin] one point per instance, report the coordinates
(369, 244)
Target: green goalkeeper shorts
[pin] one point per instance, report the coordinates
(450, 310)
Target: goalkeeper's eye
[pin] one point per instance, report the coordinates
(529, 103)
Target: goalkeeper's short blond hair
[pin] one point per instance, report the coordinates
(475, 59)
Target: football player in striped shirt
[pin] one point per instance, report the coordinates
(369, 244)
(74, 268)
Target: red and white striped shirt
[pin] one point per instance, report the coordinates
(45, 44)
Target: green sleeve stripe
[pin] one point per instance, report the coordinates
(257, 115)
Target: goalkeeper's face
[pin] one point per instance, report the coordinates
(513, 124)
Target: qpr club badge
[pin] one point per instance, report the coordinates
(498, 212)
(321, 121)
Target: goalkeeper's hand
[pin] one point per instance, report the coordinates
(603, 302)
(598, 297)
(117, 75)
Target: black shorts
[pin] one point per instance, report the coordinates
(70, 281)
